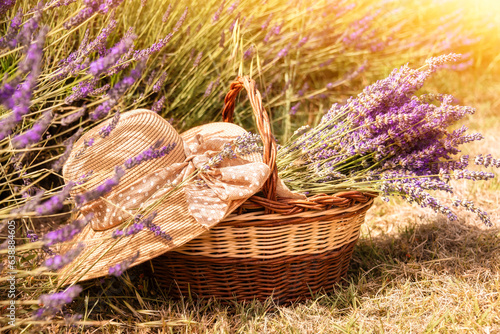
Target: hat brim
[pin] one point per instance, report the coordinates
(101, 251)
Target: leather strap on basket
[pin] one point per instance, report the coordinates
(263, 125)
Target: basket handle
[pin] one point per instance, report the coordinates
(263, 125)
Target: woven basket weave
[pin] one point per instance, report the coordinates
(279, 247)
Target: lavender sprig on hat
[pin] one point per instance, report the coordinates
(387, 140)
(154, 152)
(102, 189)
(118, 269)
(59, 261)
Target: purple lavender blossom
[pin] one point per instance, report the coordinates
(283, 52)
(31, 203)
(159, 84)
(30, 234)
(198, 59)
(26, 33)
(115, 93)
(216, 16)
(154, 152)
(247, 144)
(233, 6)
(76, 61)
(56, 202)
(104, 63)
(35, 133)
(118, 269)
(233, 24)
(249, 52)
(158, 105)
(91, 7)
(100, 190)
(222, 39)
(19, 102)
(73, 117)
(59, 261)
(227, 152)
(100, 91)
(165, 16)
(266, 23)
(139, 225)
(9, 40)
(67, 232)
(59, 299)
(61, 3)
(82, 90)
(106, 130)
(5, 5)
(302, 41)
(293, 110)
(211, 87)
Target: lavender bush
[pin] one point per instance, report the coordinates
(391, 141)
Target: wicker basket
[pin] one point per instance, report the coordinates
(284, 248)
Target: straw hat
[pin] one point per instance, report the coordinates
(186, 207)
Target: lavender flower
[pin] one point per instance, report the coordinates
(76, 61)
(9, 40)
(198, 59)
(104, 63)
(26, 34)
(35, 133)
(216, 16)
(91, 8)
(59, 261)
(100, 190)
(249, 53)
(211, 86)
(293, 110)
(56, 202)
(266, 23)
(19, 102)
(59, 299)
(118, 269)
(283, 52)
(139, 225)
(106, 130)
(226, 153)
(222, 39)
(233, 6)
(73, 117)
(159, 84)
(154, 152)
(31, 203)
(67, 232)
(6, 5)
(114, 94)
(30, 234)
(247, 144)
(158, 105)
(165, 17)
(100, 91)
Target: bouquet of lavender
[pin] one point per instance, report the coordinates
(390, 141)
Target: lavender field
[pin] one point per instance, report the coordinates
(421, 265)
